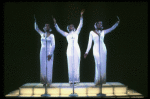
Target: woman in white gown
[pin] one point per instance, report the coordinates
(99, 50)
(73, 50)
(49, 56)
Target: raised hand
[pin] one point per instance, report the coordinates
(54, 20)
(34, 18)
(118, 19)
(82, 11)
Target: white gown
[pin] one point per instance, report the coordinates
(73, 52)
(50, 51)
(99, 53)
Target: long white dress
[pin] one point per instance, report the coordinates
(99, 53)
(73, 52)
(50, 51)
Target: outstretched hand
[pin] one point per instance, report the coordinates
(118, 19)
(34, 18)
(54, 20)
(82, 11)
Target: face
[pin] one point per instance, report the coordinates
(71, 27)
(47, 27)
(100, 25)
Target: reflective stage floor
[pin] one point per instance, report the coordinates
(83, 89)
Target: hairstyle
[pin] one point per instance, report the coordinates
(49, 29)
(95, 25)
(68, 28)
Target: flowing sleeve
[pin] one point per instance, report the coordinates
(89, 43)
(37, 29)
(110, 29)
(80, 25)
(61, 31)
(53, 45)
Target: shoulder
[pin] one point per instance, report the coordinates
(42, 34)
(68, 32)
(92, 31)
(52, 35)
(103, 31)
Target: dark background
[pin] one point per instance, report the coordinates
(127, 50)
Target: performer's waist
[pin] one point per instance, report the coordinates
(99, 46)
(96, 45)
(44, 47)
(100, 43)
(72, 43)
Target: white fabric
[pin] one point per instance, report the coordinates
(73, 52)
(99, 52)
(50, 50)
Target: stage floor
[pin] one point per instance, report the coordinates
(83, 89)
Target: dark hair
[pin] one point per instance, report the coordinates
(49, 26)
(68, 27)
(95, 25)
(98, 21)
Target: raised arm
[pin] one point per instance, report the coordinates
(113, 27)
(36, 28)
(53, 44)
(81, 22)
(89, 45)
(61, 31)
(58, 29)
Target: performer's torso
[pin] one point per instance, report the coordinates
(72, 39)
(73, 46)
(98, 41)
(98, 38)
(43, 41)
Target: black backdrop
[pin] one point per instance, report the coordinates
(127, 51)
